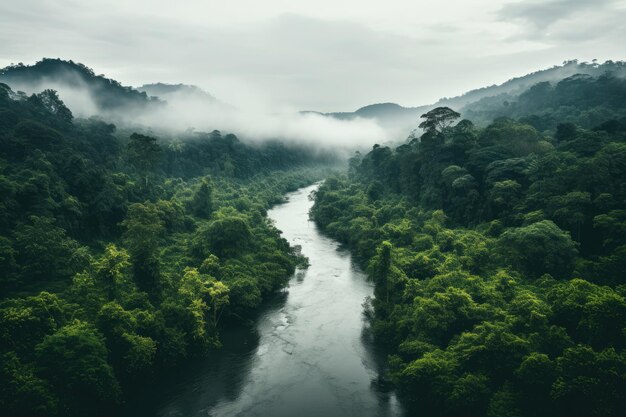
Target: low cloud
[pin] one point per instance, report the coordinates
(190, 111)
(181, 113)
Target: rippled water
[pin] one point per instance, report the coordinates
(309, 354)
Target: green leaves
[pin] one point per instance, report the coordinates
(475, 321)
(202, 202)
(228, 235)
(23, 393)
(203, 295)
(74, 360)
(143, 152)
(43, 249)
(112, 269)
(144, 228)
(590, 383)
(107, 224)
(538, 249)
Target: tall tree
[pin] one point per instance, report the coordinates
(144, 229)
(438, 119)
(203, 198)
(144, 153)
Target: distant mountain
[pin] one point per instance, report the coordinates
(181, 96)
(391, 114)
(88, 94)
(387, 114)
(165, 91)
(518, 85)
(584, 100)
(83, 91)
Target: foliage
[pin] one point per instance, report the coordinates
(122, 253)
(497, 255)
(438, 119)
(581, 99)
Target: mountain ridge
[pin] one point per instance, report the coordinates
(390, 113)
(109, 97)
(68, 77)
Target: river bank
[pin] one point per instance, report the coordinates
(308, 353)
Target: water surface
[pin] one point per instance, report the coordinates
(309, 353)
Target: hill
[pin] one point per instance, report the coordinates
(87, 94)
(164, 91)
(474, 101)
(387, 114)
(79, 87)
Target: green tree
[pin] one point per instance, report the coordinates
(43, 249)
(571, 210)
(23, 393)
(144, 153)
(590, 383)
(380, 267)
(227, 235)
(202, 202)
(74, 360)
(539, 248)
(8, 265)
(201, 295)
(52, 103)
(111, 269)
(218, 293)
(144, 229)
(438, 119)
(503, 197)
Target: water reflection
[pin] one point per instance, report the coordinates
(309, 353)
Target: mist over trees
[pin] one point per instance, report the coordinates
(175, 108)
(108, 94)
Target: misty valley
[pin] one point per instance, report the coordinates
(166, 253)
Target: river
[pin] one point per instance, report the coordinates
(309, 353)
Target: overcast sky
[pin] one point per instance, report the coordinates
(328, 55)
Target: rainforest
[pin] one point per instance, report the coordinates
(245, 245)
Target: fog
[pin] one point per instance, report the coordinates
(78, 98)
(251, 122)
(254, 123)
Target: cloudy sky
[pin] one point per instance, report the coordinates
(328, 55)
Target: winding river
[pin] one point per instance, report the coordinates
(309, 353)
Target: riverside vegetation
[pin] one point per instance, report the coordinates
(122, 254)
(498, 255)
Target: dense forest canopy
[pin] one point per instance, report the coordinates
(495, 236)
(582, 99)
(122, 253)
(498, 253)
